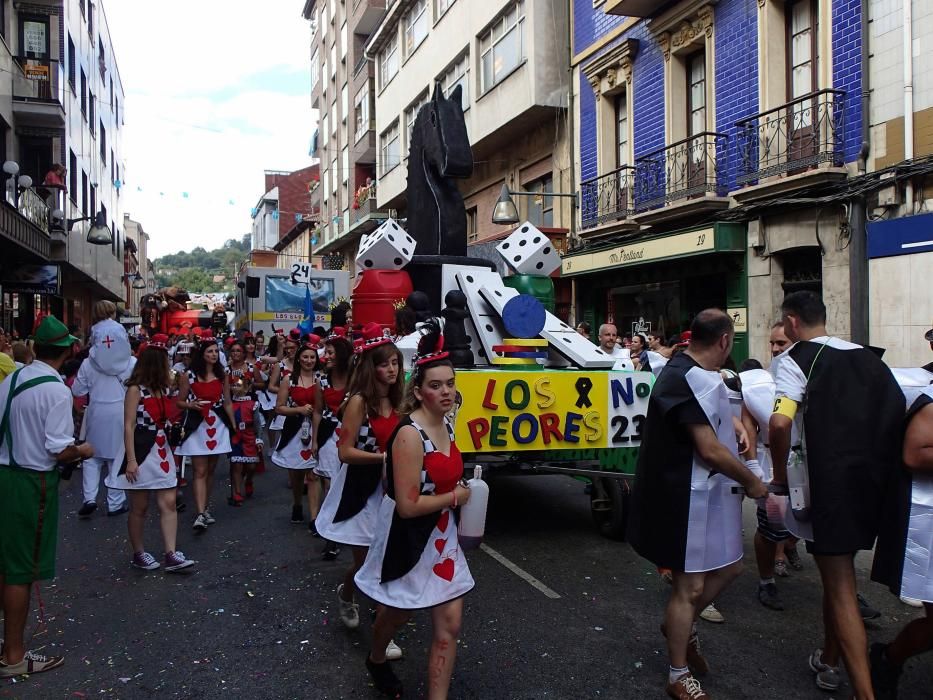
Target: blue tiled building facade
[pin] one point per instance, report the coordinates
(688, 114)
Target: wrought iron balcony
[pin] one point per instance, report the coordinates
(609, 197)
(684, 170)
(792, 138)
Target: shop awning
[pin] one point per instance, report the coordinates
(715, 238)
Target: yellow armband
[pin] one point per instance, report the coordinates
(785, 406)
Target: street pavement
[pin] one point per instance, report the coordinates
(258, 618)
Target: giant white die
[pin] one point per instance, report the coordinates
(529, 252)
(386, 248)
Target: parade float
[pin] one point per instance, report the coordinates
(535, 396)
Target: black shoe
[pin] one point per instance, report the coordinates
(331, 550)
(119, 511)
(86, 510)
(768, 596)
(384, 678)
(867, 611)
(297, 515)
(884, 674)
(312, 529)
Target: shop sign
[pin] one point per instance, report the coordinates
(638, 252)
(32, 279)
(131, 320)
(739, 316)
(566, 410)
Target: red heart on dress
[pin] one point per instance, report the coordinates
(305, 455)
(162, 453)
(211, 419)
(445, 569)
(160, 440)
(211, 432)
(165, 466)
(211, 444)
(443, 520)
(439, 545)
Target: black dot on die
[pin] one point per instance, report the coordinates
(482, 353)
(536, 240)
(469, 279)
(368, 263)
(390, 237)
(567, 340)
(398, 261)
(505, 245)
(524, 229)
(395, 226)
(497, 293)
(539, 265)
(404, 251)
(547, 249)
(489, 327)
(600, 351)
(522, 242)
(518, 258)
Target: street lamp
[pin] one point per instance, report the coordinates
(138, 281)
(23, 182)
(98, 234)
(505, 213)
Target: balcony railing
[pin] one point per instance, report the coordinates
(684, 170)
(609, 197)
(41, 80)
(792, 138)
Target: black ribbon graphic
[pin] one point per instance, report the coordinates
(583, 386)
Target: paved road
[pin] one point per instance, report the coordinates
(258, 617)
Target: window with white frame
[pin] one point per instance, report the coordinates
(323, 15)
(412, 113)
(345, 162)
(344, 41)
(324, 77)
(440, 7)
(315, 66)
(621, 122)
(362, 111)
(458, 74)
(344, 103)
(416, 25)
(325, 132)
(335, 179)
(333, 61)
(333, 119)
(541, 207)
(502, 46)
(389, 149)
(388, 61)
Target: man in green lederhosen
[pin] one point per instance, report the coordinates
(36, 435)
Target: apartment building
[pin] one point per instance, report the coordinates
(138, 276)
(65, 105)
(510, 59)
(708, 134)
(285, 218)
(343, 93)
(900, 247)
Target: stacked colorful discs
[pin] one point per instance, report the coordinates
(520, 351)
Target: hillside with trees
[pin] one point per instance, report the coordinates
(196, 270)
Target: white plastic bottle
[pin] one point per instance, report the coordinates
(798, 486)
(473, 512)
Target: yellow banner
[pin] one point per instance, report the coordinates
(504, 411)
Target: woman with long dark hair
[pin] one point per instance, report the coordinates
(295, 450)
(244, 378)
(370, 415)
(148, 464)
(338, 352)
(415, 561)
(204, 395)
(281, 371)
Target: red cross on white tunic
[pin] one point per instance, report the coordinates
(108, 341)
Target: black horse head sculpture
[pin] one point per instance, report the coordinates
(440, 151)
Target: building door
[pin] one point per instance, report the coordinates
(696, 120)
(802, 80)
(35, 156)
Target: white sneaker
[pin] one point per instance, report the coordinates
(912, 602)
(208, 518)
(200, 524)
(349, 612)
(711, 614)
(393, 651)
(827, 677)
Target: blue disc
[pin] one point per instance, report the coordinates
(523, 316)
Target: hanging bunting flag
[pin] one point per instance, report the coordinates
(275, 215)
(298, 218)
(185, 195)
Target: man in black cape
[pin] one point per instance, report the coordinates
(849, 412)
(684, 514)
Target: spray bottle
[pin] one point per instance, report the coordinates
(473, 512)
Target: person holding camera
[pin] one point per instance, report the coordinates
(36, 436)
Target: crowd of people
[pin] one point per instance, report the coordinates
(374, 458)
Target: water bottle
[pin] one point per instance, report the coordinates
(473, 512)
(305, 433)
(798, 486)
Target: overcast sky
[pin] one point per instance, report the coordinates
(216, 92)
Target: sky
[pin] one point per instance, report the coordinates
(217, 91)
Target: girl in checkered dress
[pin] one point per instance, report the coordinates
(245, 448)
(415, 560)
(278, 378)
(148, 464)
(348, 515)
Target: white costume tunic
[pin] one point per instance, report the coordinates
(157, 465)
(684, 514)
(348, 514)
(417, 562)
(211, 436)
(758, 396)
(284, 373)
(328, 460)
(291, 452)
(102, 378)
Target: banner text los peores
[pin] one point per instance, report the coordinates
(505, 411)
